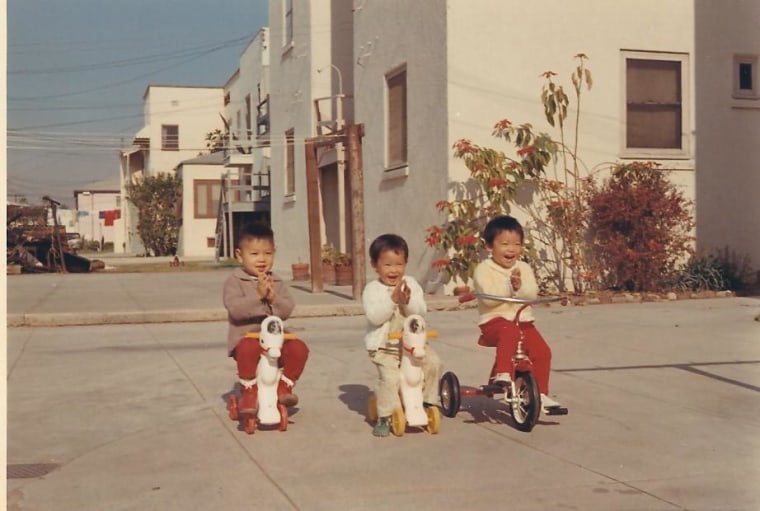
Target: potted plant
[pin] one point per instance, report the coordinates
(300, 270)
(329, 255)
(344, 270)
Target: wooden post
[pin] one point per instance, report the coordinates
(354, 133)
(312, 205)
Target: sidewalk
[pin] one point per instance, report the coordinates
(159, 297)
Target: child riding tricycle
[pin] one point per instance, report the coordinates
(505, 288)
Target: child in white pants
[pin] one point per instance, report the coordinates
(387, 301)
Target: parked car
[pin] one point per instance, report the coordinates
(74, 240)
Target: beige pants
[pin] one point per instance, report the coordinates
(387, 386)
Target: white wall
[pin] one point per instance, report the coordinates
(195, 231)
(471, 64)
(728, 155)
(388, 35)
(294, 83)
(194, 109)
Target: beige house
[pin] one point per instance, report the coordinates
(177, 120)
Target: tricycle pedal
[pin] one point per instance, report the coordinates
(555, 410)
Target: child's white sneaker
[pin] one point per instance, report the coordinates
(502, 379)
(552, 407)
(547, 402)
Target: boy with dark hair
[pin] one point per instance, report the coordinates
(504, 274)
(251, 294)
(387, 301)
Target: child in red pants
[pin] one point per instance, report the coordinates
(504, 274)
(251, 294)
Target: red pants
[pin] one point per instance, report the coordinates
(504, 335)
(292, 360)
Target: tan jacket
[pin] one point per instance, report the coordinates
(245, 311)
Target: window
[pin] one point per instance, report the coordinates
(288, 22)
(169, 137)
(206, 197)
(290, 162)
(746, 84)
(247, 116)
(656, 120)
(396, 122)
(210, 242)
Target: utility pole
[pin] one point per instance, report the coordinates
(354, 133)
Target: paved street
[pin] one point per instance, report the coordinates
(664, 403)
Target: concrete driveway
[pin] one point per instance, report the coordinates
(664, 403)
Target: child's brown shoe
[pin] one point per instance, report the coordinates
(249, 401)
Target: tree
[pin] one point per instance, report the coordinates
(157, 199)
(215, 140)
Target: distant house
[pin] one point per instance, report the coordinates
(98, 207)
(201, 188)
(177, 120)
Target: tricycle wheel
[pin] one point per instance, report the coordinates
(434, 419)
(372, 407)
(398, 422)
(283, 417)
(249, 423)
(526, 403)
(448, 390)
(232, 407)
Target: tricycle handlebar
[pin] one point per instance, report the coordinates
(466, 297)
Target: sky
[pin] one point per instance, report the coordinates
(77, 71)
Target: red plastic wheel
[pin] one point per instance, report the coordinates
(283, 417)
(232, 407)
(249, 423)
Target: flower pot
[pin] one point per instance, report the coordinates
(300, 271)
(344, 275)
(328, 274)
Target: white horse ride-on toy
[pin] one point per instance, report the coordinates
(270, 412)
(411, 379)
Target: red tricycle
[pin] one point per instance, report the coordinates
(521, 394)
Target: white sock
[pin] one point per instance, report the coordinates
(548, 402)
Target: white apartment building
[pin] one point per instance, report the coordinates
(177, 120)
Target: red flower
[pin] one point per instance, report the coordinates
(440, 263)
(469, 239)
(526, 150)
(496, 182)
(548, 74)
(442, 204)
(502, 125)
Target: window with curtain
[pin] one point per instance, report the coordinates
(169, 137)
(656, 121)
(206, 197)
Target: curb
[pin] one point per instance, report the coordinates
(184, 316)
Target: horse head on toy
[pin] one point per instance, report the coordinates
(272, 336)
(414, 336)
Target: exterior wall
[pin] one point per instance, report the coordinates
(403, 201)
(728, 174)
(294, 83)
(89, 204)
(195, 231)
(468, 67)
(194, 109)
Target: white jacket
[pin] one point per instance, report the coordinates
(379, 309)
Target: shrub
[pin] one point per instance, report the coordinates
(700, 273)
(640, 227)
